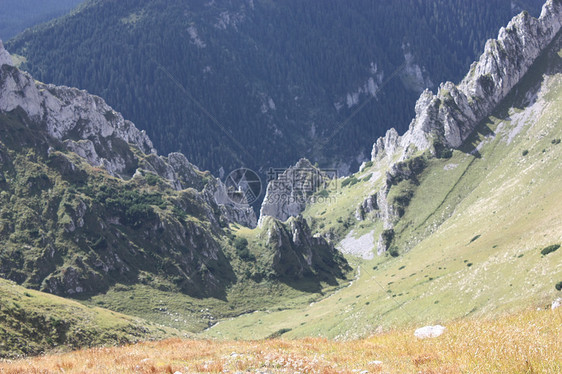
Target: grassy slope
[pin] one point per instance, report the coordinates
(527, 342)
(158, 302)
(32, 322)
(485, 217)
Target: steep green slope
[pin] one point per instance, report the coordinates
(472, 237)
(263, 83)
(33, 322)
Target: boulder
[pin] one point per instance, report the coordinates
(429, 332)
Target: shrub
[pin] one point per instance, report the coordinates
(138, 213)
(179, 212)
(550, 249)
(441, 151)
(558, 286)
(349, 182)
(555, 141)
(241, 245)
(394, 252)
(152, 179)
(388, 237)
(475, 238)
(323, 194)
(525, 152)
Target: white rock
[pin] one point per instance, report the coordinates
(287, 193)
(456, 109)
(429, 332)
(556, 303)
(5, 58)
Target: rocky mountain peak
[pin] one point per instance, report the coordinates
(447, 119)
(289, 192)
(86, 125)
(451, 115)
(5, 58)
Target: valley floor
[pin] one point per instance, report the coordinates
(526, 342)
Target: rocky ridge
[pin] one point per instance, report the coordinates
(288, 193)
(451, 115)
(445, 120)
(298, 254)
(87, 126)
(129, 216)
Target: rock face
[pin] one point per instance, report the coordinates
(89, 127)
(216, 192)
(450, 116)
(87, 202)
(298, 254)
(445, 120)
(5, 58)
(289, 192)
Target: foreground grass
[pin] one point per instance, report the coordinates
(527, 342)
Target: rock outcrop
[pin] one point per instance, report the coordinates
(289, 192)
(5, 58)
(87, 126)
(429, 332)
(449, 117)
(445, 120)
(298, 254)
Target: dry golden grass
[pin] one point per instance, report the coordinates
(528, 342)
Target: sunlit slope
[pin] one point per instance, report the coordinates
(520, 343)
(32, 322)
(470, 240)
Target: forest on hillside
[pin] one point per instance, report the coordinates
(261, 83)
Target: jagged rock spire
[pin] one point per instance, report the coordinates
(452, 114)
(5, 58)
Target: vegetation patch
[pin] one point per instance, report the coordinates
(550, 249)
(475, 238)
(349, 181)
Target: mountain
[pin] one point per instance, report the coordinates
(456, 218)
(89, 210)
(262, 83)
(17, 15)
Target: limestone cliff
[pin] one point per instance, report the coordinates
(289, 192)
(445, 120)
(87, 126)
(451, 115)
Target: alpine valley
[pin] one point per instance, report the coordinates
(452, 222)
